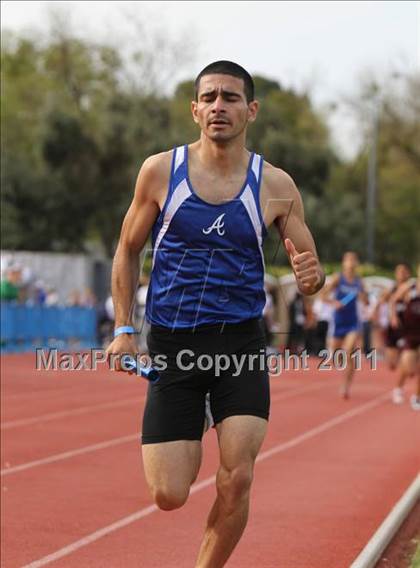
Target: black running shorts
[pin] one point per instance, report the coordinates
(228, 361)
(393, 337)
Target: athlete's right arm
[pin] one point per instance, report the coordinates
(384, 298)
(328, 289)
(399, 294)
(136, 227)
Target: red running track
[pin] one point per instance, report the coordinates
(73, 493)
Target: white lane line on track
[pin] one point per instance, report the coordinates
(80, 410)
(323, 427)
(122, 440)
(70, 548)
(93, 408)
(70, 454)
(72, 412)
(275, 396)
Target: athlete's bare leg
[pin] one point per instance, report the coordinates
(415, 398)
(392, 355)
(415, 405)
(349, 344)
(240, 438)
(334, 344)
(406, 369)
(407, 366)
(170, 469)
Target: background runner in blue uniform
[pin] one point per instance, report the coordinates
(347, 289)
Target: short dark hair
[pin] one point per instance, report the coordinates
(227, 68)
(405, 264)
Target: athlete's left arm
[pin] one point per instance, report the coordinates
(400, 294)
(363, 295)
(297, 238)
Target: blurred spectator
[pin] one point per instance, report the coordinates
(40, 295)
(52, 298)
(109, 308)
(366, 312)
(380, 325)
(8, 286)
(268, 316)
(310, 326)
(26, 286)
(11, 283)
(297, 321)
(105, 320)
(75, 298)
(4, 265)
(323, 312)
(88, 298)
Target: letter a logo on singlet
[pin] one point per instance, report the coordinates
(218, 225)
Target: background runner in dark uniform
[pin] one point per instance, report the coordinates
(393, 335)
(409, 364)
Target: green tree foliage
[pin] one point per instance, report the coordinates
(398, 167)
(290, 135)
(73, 140)
(398, 227)
(78, 120)
(183, 128)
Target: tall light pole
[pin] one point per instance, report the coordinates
(372, 182)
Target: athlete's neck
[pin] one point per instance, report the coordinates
(224, 158)
(349, 274)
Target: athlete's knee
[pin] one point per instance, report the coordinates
(170, 499)
(233, 485)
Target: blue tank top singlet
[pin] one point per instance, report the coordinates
(208, 263)
(348, 292)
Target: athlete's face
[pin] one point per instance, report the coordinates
(221, 108)
(401, 273)
(350, 261)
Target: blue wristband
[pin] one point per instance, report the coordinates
(124, 329)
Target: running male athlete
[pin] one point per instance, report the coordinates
(346, 328)
(208, 206)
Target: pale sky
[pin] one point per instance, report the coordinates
(327, 45)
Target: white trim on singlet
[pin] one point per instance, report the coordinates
(256, 166)
(179, 157)
(180, 194)
(248, 200)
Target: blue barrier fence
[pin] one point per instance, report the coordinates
(24, 328)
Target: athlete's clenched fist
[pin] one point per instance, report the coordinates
(307, 269)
